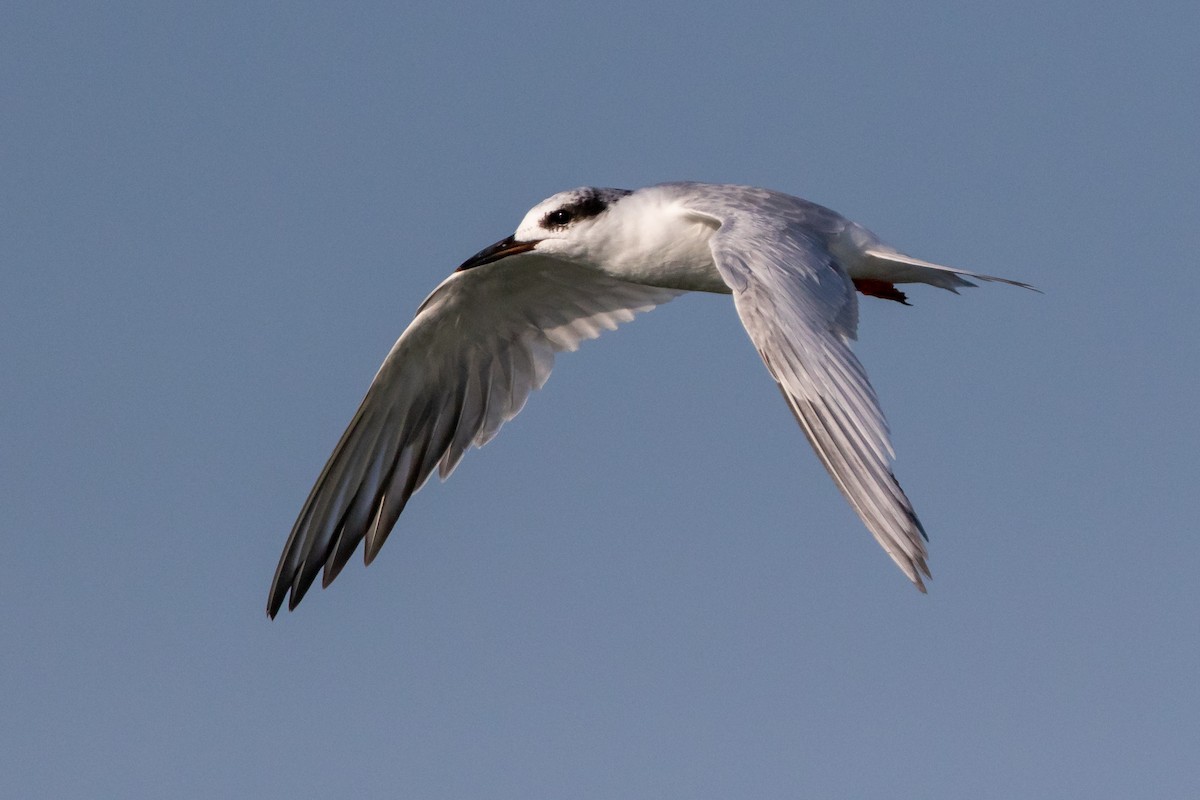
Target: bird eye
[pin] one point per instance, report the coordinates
(559, 217)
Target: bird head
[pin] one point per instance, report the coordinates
(563, 226)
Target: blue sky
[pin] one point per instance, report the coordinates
(218, 217)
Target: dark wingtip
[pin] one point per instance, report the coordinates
(924, 536)
(299, 589)
(332, 570)
(372, 548)
(275, 597)
(923, 569)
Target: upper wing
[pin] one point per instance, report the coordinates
(800, 310)
(478, 346)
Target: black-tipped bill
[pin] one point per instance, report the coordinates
(501, 249)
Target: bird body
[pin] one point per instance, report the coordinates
(585, 261)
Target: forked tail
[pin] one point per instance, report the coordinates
(900, 268)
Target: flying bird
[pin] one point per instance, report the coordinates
(585, 261)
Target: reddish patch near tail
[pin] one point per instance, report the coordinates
(874, 288)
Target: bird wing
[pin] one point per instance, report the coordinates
(799, 308)
(479, 344)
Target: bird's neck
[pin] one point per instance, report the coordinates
(653, 241)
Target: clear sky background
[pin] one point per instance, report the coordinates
(215, 219)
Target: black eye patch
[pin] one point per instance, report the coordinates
(589, 203)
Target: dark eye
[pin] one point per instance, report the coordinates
(559, 217)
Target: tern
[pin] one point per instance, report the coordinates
(583, 262)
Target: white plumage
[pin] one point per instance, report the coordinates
(585, 261)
